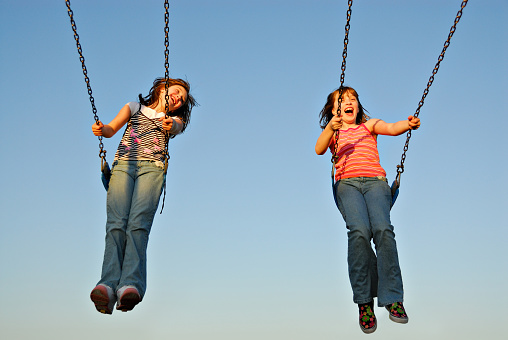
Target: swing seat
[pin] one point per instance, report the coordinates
(395, 191)
(105, 175)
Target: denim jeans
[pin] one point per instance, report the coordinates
(133, 197)
(364, 203)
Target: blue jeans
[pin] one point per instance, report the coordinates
(364, 203)
(133, 197)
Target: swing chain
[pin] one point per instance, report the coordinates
(166, 54)
(346, 41)
(400, 167)
(102, 151)
(342, 75)
(166, 96)
(166, 74)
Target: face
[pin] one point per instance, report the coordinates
(349, 107)
(177, 96)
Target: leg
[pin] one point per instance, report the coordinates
(378, 198)
(120, 192)
(145, 199)
(361, 258)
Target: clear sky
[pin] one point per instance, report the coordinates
(250, 245)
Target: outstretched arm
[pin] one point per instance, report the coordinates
(380, 127)
(116, 124)
(327, 134)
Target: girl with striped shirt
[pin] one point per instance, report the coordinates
(137, 180)
(364, 200)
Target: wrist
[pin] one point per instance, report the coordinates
(176, 127)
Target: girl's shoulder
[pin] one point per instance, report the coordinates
(372, 121)
(145, 110)
(134, 106)
(369, 124)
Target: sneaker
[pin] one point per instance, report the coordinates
(397, 312)
(128, 297)
(368, 322)
(104, 298)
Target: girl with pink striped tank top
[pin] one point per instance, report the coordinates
(364, 200)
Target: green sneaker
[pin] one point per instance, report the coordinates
(368, 322)
(397, 312)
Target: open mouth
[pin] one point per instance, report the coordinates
(349, 110)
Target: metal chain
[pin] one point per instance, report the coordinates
(102, 151)
(166, 54)
(166, 96)
(342, 75)
(166, 66)
(400, 167)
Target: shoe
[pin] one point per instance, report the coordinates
(128, 297)
(104, 298)
(397, 312)
(368, 322)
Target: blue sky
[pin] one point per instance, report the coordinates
(250, 244)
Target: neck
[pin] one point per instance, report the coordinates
(160, 106)
(346, 126)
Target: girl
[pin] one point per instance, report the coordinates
(137, 179)
(364, 200)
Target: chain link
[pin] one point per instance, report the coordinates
(102, 151)
(400, 167)
(342, 76)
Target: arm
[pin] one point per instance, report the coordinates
(380, 127)
(116, 124)
(327, 134)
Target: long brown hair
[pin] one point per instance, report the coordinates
(326, 113)
(159, 84)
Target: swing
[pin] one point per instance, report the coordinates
(105, 169)
(400, 168)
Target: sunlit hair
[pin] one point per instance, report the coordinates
(326, 113)
(159, 84)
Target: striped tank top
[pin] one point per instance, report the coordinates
(358, 155)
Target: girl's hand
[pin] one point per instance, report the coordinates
(335, 123)
(327, 134)
(167, 123)
(97, 128)
(414, 122)
(173, 125)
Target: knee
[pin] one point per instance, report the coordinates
(359, 233)
(116, 226)
(383, 233)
